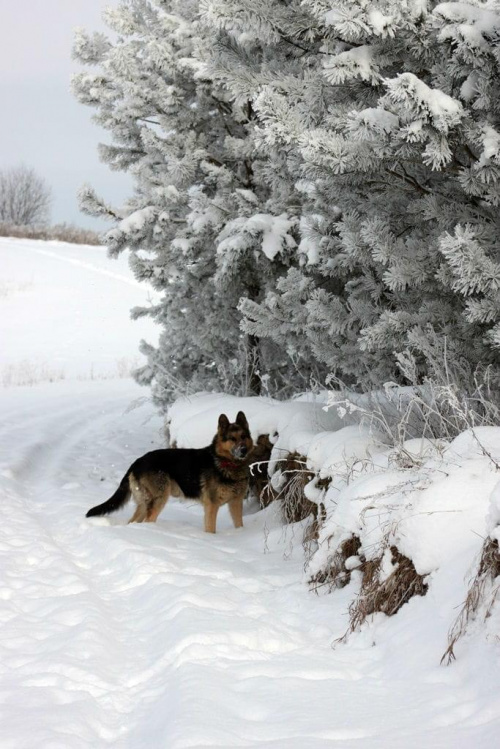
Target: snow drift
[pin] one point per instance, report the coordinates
(415, 514)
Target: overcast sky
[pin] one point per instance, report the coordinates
(41, 125)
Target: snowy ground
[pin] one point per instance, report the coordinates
(65, 313)
(141, 637)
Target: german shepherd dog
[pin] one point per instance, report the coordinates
(215, 475)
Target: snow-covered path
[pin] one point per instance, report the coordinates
(124, 634)
(162, 636)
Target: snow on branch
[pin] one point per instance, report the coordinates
(354, 63)
(470, 24)
(431, 105)
(131, 230)
(474, 271)
(273, 231)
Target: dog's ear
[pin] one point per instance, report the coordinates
(241, 420)
(223, 423)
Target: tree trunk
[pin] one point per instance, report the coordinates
(254, 383)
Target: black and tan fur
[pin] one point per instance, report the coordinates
(215, 475)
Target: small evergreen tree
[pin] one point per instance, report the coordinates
(204, 225)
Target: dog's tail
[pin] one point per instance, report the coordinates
(114, 503)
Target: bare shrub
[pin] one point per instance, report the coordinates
(379, 591)
(74, 234)
(335, 574)
(259, 480)
(126, 366)
(435, 412)
(482, 593)
(24, 197)
(457, 397)
(59, 232)
(386, 594)
(10, 288)
(441, 408)
(295, 476)
(29, 373)
(293, 503)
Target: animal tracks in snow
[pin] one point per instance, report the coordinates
(139, 636)
(101, 616)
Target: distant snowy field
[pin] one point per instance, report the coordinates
(164, 637)
(65, 313)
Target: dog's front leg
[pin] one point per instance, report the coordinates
(211, 510)
(236, 512)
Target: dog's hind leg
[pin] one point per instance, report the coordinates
(139, 515)
(155, 507)
(158, 488)
(141, 498)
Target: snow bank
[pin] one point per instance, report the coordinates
(292, 424)
(433, 501)
(493, 517)
(138, 636)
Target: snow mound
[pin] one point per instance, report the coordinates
(428, 499)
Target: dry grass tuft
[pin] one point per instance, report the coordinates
(336, 574)
(482, 593)
(60, 232)
(311, 533)
(386, 595)
(382, 592)
(30, 373)
(294, 504)
(259, 479)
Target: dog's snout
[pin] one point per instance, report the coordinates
(240, 451)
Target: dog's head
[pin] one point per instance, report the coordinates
(233, 441)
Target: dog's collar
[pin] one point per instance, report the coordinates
(228, 464)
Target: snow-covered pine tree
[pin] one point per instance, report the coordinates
(407, 152)
(336, 165)
(273, 46)
(205, 225)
